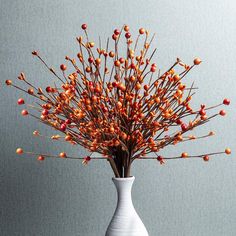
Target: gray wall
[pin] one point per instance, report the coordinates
(61, 197)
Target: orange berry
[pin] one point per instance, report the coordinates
(138, 86)
(121, 87)
(98, 61)
(31, 91)
(112, 130)
(141, 30)
(124, 136)
(91, 44)
(206, 158)
(62, 155)
(119, 104)
(203, 117)
(132, 78)
(111, 54)
(68, 138)
(19, 151)
(197, 61)
(126, 28)
(184, 155)
(211, 133)
(8, 82)
(176, 77)
(117, 63)
(88, 69)
(228, 151)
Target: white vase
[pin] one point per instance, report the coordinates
(125, 221)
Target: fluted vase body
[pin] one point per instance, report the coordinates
(125, 221)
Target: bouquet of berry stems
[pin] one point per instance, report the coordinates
(118, 104)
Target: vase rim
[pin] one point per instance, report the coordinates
(123, 179)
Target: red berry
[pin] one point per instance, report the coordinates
(154, 65)
(184, 127)
(40, 158)
(84, 26)
(91, 83)
(68, 121)
(226, 101)
(114, 37)
(161, 160)
(21, 101)
(90, 60)
(24, 113)
(202, 112)
(45, 112)
(19, 151)
(114, 84)
(133, 66)
(153, 69)
(63, 67)
(222, 112)
(116, 32)
(35, 53)
(48, 89)
(206, 158)
(86, 160)
(63, 127)
(104, 109)
(121, 60)
(179, 122)
(127, 35)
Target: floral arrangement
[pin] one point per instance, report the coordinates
(118, 105)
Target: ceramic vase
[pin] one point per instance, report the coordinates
(125, 221)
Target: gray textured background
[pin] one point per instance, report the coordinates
(61, 197)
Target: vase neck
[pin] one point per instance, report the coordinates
(124, 187)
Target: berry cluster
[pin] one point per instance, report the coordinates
(119, 106)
